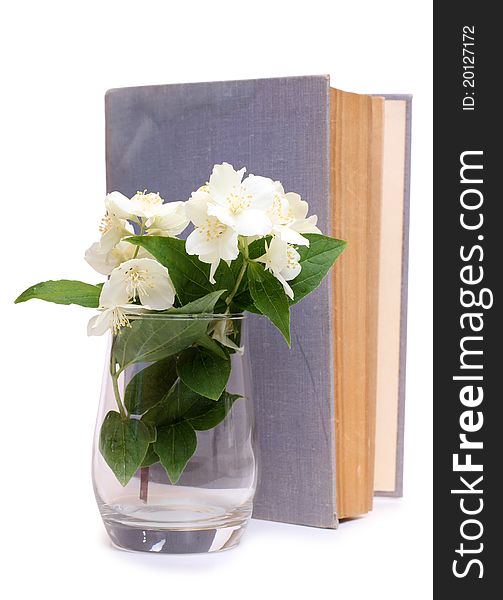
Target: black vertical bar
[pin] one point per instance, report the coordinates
(468, 234)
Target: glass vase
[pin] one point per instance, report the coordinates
(208, 507)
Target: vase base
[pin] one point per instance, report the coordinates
(165, 541)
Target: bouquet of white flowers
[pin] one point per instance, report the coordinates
(252, 247)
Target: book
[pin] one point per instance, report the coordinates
(316, 404)
(392, 320)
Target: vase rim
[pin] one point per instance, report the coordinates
(185, 317)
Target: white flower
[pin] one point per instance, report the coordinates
(288, 215)
(109, 318)
(241, 205)
(298, 212)
(113, 230)
(211, 239)
(142, 204)
(167, 219)
(221, 331)
(106, 262)
(170, 220)
(140, 278)
(282, 260)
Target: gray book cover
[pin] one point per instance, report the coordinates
(167, 139)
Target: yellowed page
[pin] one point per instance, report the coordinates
(390, 296)
(354, 157)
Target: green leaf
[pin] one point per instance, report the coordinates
(174, 405)
(204, 372)
(203, 305)
(175, 445)
(190, 276)
(123, 444)
(225, 278)
(149, 340)
(182, 403)
(315, 261)
(150, 458)
(243, 301)
(152, 431)
(149, 385)
(269, 297)
(202, 419)
(210, 344)
(63, 291)
(257, 248)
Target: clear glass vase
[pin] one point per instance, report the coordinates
(207, 508)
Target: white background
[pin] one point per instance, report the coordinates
(58, 59)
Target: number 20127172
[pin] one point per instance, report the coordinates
(469, 67)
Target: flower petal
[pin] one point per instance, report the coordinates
(262, 190)
(116, 229)
(228, 248)
(298, 207)
(213, 269)
(106, 262)
(252, 222)
(170, 220)
(277, 254)
(119, 205)
(155, 288)
(100, 261)
(114, 292)
(212, 259)
(101, 323)
(278, 188)
(161, 294)
(286, 287)
(224, 178)
(290, 273)
(307, 225)
(161, 297)
(198, 243)
(196, 207)
(279, 211)
(291, 236)
(220, 334)
(222, 213)
(146, 204)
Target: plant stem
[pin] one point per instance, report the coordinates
(122, 410)
(144, 471)
(144, 475)
(142, 231)
(115, 382)
(242, 271)
(238, 282)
